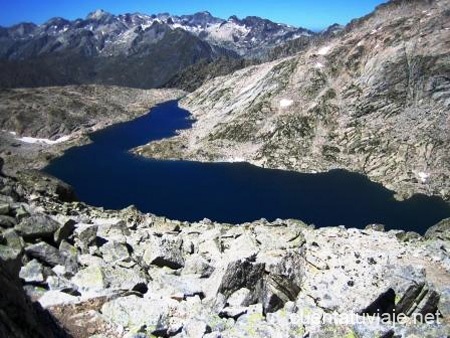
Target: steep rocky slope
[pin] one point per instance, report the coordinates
(373, 99)
(126, 274)
(194, 76)
(38, 123)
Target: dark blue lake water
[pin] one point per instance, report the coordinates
(104, 174)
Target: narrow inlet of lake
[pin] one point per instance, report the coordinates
(104, 174)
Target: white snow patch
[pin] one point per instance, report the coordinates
(144, 27)
(236, 160)
(324, 50)
(423, 176)
(319, 65)
(375, 31)
(33, 140)
(286, 103)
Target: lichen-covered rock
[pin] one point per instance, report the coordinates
(10, 259)
(52, 298)
(37, 226)
(4, 208)
(134, 312)
(114, 252)
(85, 236)
(439, 231)
(7, 221)
(13, 240)
(91, 278)
(32, 272)
(46, 253)
(64, 231)
(166, 251)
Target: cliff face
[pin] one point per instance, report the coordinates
(128, 274)
(373, 99)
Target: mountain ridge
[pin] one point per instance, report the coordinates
(135, 50)
(371, 99)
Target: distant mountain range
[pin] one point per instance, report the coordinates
(134, 50)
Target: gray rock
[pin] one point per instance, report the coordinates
(37, 226)
(121, 278)
(56, 283)
(32, 272)
(5, 195)
(7, 221)
(429, 305)
(242, 274)
(195, 329)
(64, 232)
(408, 301)
(164, 252)
(116, 232)
(10, 259)
(70, 255)
(282, 284)
(5, 208)
(135, 312)
(20, 212)
(114, 252)
(176, 287)
(85, 236)
(238, 298)
(197, 265)
(440, 230)
(13, 240)
(409, 236)
(376, 227)
(46, 253)
(91, 278)
(53, 298)
(444, 304)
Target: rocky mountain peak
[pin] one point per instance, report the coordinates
(333, 30)
(98, 14)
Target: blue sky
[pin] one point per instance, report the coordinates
(313, 14)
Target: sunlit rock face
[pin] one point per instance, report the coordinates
(368, 99)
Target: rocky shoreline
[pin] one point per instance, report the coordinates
(71, 113)
(368, 100)
(122, 273)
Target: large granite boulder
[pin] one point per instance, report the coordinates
(37, 226)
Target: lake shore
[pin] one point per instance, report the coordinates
(32, 120)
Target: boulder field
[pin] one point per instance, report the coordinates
(98, 273)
